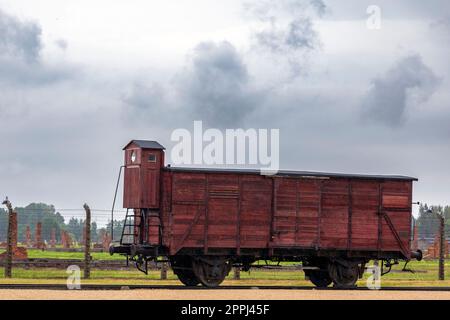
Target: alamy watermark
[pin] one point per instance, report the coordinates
(373, 22)
(373, 281)
(231, 147)
(73, 280)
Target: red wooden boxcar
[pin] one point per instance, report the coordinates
(206, 220)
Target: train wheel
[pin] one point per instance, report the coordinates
(344, 276)
(319, 278)
(211, 271)
(182, 267)
(188, 278)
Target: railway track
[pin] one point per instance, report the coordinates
(181, 287)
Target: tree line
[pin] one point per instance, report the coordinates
(51, 219)
(428, 223)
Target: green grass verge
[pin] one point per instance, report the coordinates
(35, 253)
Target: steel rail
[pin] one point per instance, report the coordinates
(182, 287)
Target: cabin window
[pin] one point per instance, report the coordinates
(152, 157)
(133, 156)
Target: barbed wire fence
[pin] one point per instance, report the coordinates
(102, 217)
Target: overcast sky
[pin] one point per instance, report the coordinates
(79, 79)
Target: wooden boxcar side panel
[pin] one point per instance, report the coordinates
(364, 218)
(150, 189)
(295, 221)
(188, 210)
(308, 218)
(166, 207)
(285, 222)
(396, 227)
(222, 214)
(213, 210)
(218, 211)
(334, 214)
(255, 211)
(132, 192)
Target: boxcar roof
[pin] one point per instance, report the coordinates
(292, 173)
(145, 144)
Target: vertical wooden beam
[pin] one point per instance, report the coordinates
(87, 245)
(206, 201)
(380, 216)
(297, 208)
(411, 217)
(170, 218)
(350, 214)
(142, 233)
(319, 215)
(238, 227)
(273, 212)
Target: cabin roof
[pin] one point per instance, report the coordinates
(145, 144)
(293, 173)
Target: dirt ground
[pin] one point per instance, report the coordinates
(253, 294)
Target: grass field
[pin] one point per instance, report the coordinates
(35, 253)
(426, 274)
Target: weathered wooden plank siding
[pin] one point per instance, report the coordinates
(364, 234)
(218, 210)
(334, 219)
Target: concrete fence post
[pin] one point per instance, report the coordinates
(9, 246)
(442, 248)
(237, 273)
(87, 243)
(163, 270)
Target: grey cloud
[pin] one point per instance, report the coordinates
(288, 30)
(62, 44)
(298, 35)
(20, 54)
(19, 38)
(18, 73)
(319, 6)
(440, 29)
(215, 86)
(53, 133)
(144, 99)
(409, 81)
(301, 34)
(73, 132)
